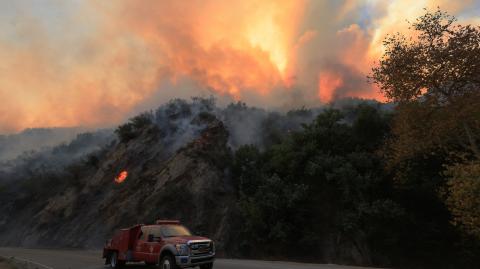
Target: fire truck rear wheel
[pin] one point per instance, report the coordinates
(114, 262)
(168, 262)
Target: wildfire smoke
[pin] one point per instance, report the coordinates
(94, 63)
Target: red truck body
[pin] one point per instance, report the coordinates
(124, 240)
(166, 242)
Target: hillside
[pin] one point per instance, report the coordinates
(189, 185)
(307, 184)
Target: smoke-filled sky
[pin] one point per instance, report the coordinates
(95, 63)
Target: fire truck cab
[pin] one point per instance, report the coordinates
(166, 243)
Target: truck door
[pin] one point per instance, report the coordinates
(158, 243)
(141, 251)
(152, 245)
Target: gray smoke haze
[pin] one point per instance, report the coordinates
(178, 121)
(179, 124)
(53, 159)
(13, 145)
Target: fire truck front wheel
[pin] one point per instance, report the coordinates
(168, 262)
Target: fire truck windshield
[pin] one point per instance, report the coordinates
(174, 230)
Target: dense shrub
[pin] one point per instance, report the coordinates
(317, 182)
(134, 127)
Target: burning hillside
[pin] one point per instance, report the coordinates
(173, 162)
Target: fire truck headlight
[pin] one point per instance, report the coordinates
(182, 249)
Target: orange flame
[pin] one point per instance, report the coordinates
(121, 177)
(328, 83)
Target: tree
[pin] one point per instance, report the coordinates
(434, 76)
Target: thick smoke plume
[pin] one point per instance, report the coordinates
(96, 63)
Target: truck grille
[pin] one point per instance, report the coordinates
(206, 259)
(200, 248)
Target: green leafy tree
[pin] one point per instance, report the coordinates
(435, 78)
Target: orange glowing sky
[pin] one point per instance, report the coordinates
(95, 63)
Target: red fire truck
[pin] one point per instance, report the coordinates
(166, 243)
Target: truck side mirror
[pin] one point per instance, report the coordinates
(150, 238)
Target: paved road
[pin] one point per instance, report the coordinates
(84, 259)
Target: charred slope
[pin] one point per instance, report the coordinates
(87, 206)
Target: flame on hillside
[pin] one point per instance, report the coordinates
(120, 178)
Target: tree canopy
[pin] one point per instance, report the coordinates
(439, 63)
(434, 77)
